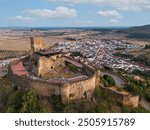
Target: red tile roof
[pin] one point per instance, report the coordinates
(18, 69)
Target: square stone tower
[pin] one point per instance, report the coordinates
(36, 44)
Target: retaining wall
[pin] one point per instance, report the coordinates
(124, 99)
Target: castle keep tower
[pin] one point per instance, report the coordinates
(36, 44)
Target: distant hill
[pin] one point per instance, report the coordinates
(140, 32)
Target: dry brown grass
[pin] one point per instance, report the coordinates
(20, 40)
(24, 43)
(140, 52)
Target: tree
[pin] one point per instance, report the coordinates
(108, 80)
(5, 91)
(58, 104)
(14, 102)
(31, 103)
(134, 89)
(97, 92)
(73, 68)
(147, 95)
(102, 108)
(76, 53)
(147, 46)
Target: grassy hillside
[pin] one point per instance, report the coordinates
(140, 32)
(141, 56)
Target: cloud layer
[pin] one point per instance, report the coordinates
(105, 11)
(126, 5)
(22, 19)
(110, 13)
(59, 12)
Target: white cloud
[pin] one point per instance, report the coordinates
(113, 14)
(23, 19)
(114, 21)
(126, 5)
(59, 12)
(147, 6)
(110, 13)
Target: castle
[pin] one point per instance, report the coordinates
(49, 73)
(53, 73)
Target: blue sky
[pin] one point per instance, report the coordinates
(74, 13)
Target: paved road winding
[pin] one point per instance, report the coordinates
(119, 81)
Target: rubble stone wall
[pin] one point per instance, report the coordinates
(46, 65)
(42, 88)
(78, 90)
(131, 100)
(68, 91)
(124, 99)
(36, 44)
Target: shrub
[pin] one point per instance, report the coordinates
(134, 89)
(58, 104)
(97, 92)
(14, 101)
(104, 82)
(101, 108)
(110, 80)
(147, 95)
(73, 67)
(76, 54)
(128, 109)
(147, 46)
(31, 103)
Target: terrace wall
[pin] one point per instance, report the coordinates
(124, 99)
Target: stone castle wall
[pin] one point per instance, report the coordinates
(40, 65)
(124, 99)
(68, 91)
(42, 87)
(131, 100)
(46, 65)
(78, 90)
